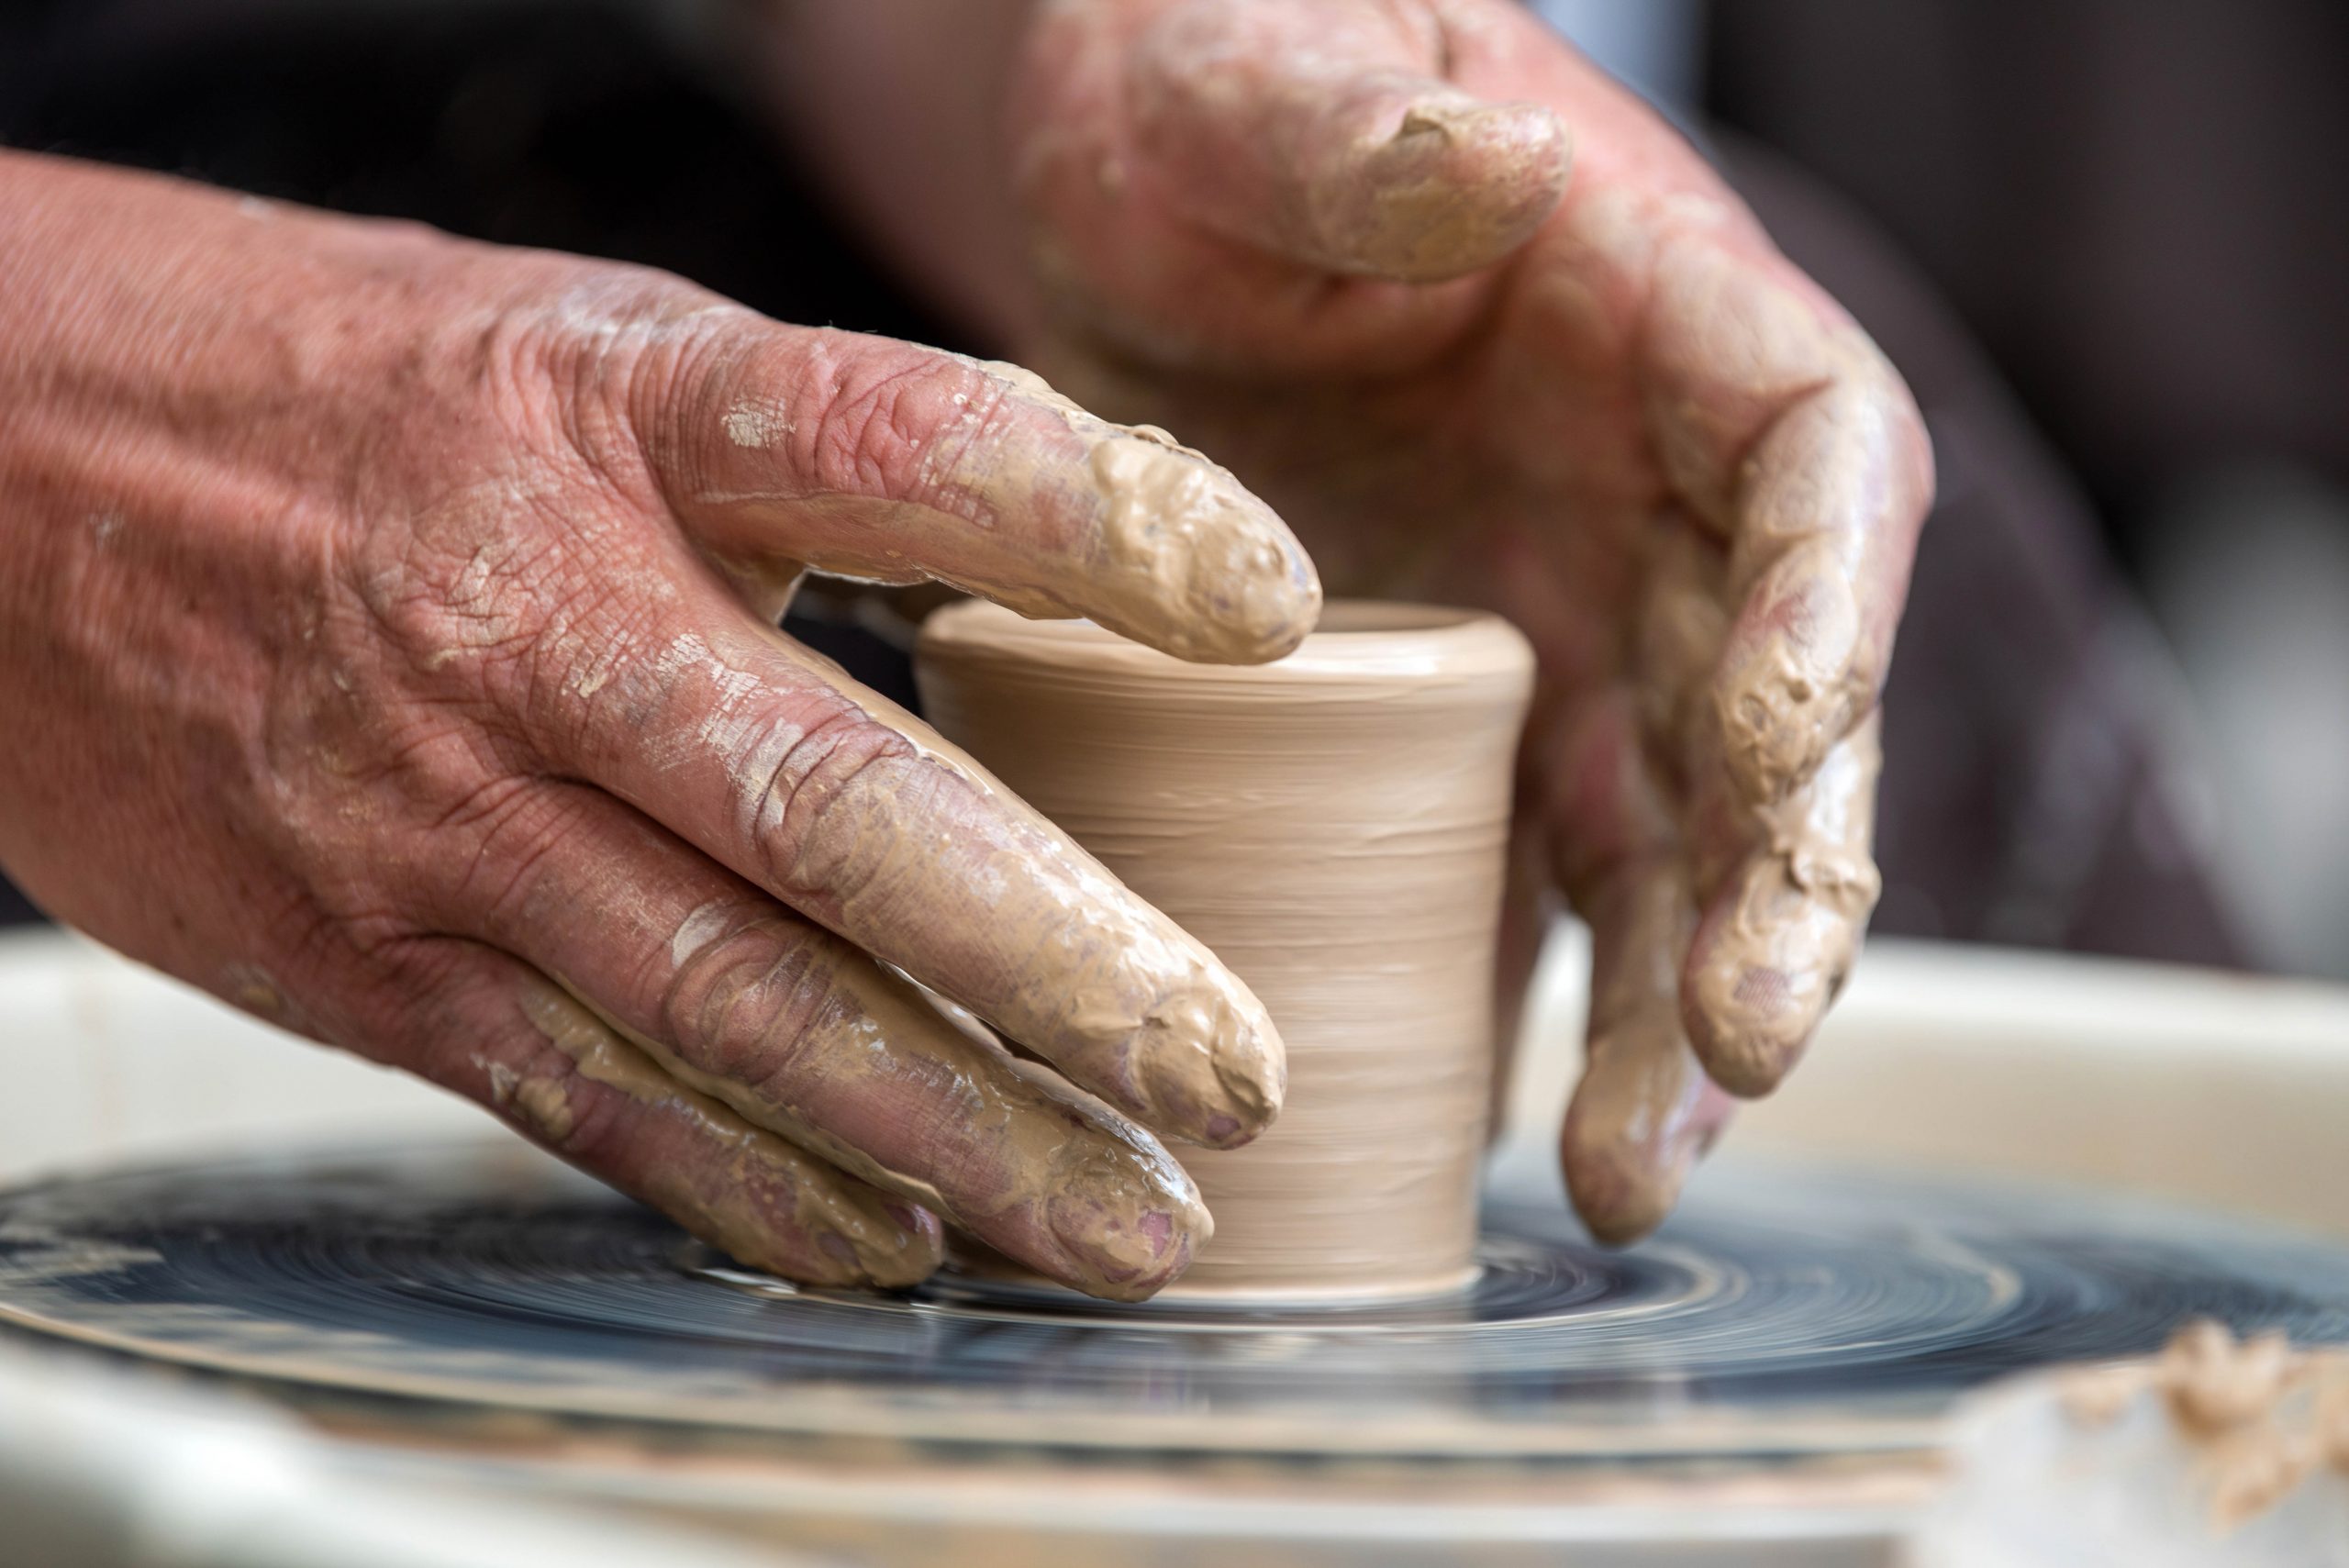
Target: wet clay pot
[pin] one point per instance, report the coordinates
(1333, 826)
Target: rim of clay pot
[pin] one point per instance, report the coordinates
(1354, 638)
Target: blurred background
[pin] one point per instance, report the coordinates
(2106, 241)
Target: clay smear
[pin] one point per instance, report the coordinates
(852, 1238)
(1333, 827)
(1025, 499)
(1054, 1179)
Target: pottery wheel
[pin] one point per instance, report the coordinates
(1782, 1312)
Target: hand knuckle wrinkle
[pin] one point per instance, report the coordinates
(825, 804)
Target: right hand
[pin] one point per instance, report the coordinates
(386, 648)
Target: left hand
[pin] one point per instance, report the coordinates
(1335, 243)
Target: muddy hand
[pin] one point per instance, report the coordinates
(1486, 330)
(388, 645)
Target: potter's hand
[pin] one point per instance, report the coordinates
(1336, 244)
(376, 655)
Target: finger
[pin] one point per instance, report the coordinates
(1827, 527)
(781, 447)
(511, 1040)
(796, 1031)
(1645, 1112)
(1269, 271)
(1677, 639)
(1326, 134)
(856, 815)
(1782, 424)
(1778, 939)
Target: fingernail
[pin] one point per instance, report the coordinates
(1120, 1254)
(1194, 564)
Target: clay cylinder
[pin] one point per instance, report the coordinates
(1332, 826)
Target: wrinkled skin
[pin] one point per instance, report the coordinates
(385, 649)
(1486, 330)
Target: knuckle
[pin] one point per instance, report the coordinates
(893, 420)
(748, 1002)
(827, 782)
(576, 371)
(511, 559)
(563, 1109)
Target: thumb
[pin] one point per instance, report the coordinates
(1326, 134)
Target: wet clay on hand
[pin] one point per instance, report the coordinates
(1333, 827)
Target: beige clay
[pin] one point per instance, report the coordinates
(873, 1247)
(2235, 1400)
(1332, 826)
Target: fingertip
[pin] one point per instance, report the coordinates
(1285, 612)
(1192, 564)
(1748, 1023)
(905, 1249)
(1209, 1067)
(1127, 1257)
(1330, 137)
(1766, 964)
(1618, 1198)
(1128, 1223)
(1159, 543)
(1639, 1121)
(1442, 187)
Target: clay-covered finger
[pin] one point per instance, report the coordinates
(780, 448)
(793, 1030)
(1778, 938)
(1245, 187)
(1325, 133)
(508, 1037)
(1783, 425)
(1826, 528)
(856, 814)
(1645, 1112)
